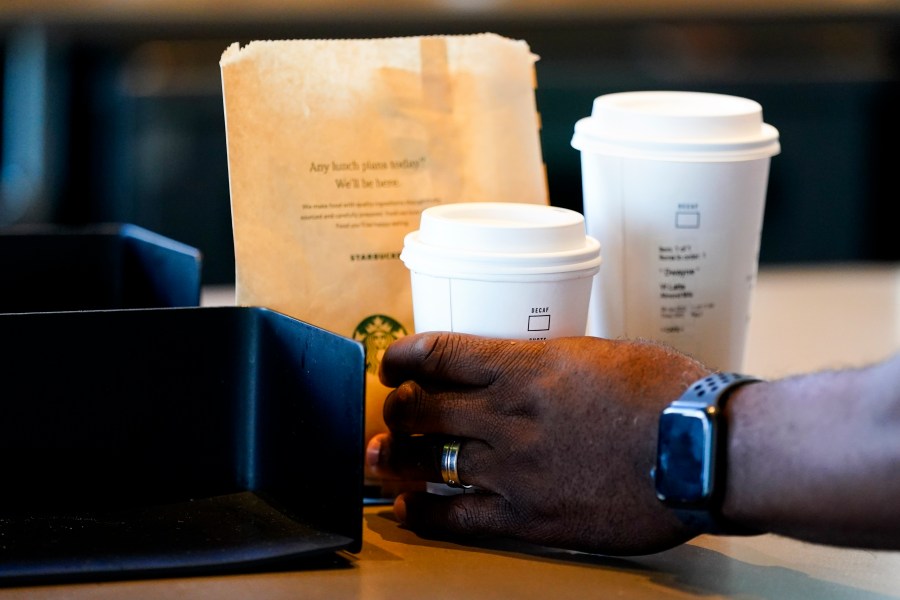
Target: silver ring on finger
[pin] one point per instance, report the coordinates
(449, 457)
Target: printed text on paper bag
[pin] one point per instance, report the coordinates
(356, 176)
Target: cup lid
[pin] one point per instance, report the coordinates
(688, 126)
(485, 238)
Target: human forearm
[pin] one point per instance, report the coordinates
(818, 457)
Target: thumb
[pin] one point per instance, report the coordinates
(443, 356)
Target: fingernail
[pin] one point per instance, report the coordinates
(400, 509)
(373, 452)
(402, 391)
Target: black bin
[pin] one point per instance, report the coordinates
(175, 440)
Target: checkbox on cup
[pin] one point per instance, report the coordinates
(687, 220)
(538, 322)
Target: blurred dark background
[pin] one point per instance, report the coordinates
(118, 117)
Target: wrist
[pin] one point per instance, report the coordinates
(748, 458)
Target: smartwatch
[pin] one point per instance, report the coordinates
(690, 457)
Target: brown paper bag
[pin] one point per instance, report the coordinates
(336, 146)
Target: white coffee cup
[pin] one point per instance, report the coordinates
(499, 269)
(674, 187)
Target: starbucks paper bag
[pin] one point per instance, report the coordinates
(336, 146)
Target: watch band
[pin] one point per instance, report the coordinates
(713, 390)
(708, 396)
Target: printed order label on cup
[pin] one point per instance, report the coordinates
(681, 300)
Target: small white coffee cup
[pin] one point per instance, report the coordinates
(498, 269)
(674, 187)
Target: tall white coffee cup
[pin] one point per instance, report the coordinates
(510, 270)
(674, 188)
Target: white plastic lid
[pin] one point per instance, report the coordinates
(684, 126)
(474, 239)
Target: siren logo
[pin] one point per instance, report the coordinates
(377, 332)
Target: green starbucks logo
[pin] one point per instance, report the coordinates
(377, 332)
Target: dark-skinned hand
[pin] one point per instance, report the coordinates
(558, 436)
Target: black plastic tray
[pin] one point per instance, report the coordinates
(97, 267)
(138, 442)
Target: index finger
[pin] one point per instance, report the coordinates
(443, 356)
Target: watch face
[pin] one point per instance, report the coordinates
(685, 457)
